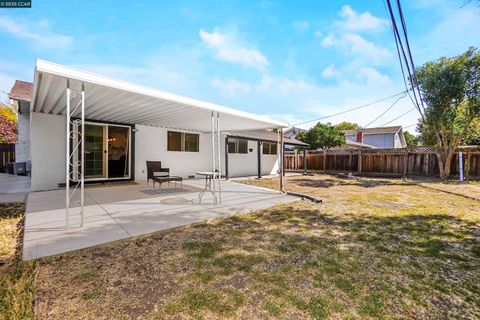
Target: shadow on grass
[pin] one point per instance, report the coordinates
(372, 266)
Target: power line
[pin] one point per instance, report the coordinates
(407, 59)
(396, 118)
(386, 110)
(349, 110)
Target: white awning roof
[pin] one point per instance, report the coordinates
(108, 99)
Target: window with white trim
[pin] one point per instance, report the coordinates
(237, 145)
(269, 148)
(183, 141)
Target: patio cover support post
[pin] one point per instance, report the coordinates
(67, 160)
(74, 168)
(216, 166)
(226, 157)
(280, 157)
(259, 160)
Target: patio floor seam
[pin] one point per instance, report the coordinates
(108, 213)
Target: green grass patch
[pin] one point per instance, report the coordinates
(201, 249)
(195, 301)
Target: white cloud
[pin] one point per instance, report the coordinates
(357, 22)
(38, 33)
(355, 44)
(227, 48)
(330, 72)
(231, 87)
(372, 75)
(301, 26)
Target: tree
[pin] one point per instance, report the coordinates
(345, 125)
(412, 140)
(322, 136)
(450, 89)
(8, 125)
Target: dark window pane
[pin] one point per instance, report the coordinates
(242, 146)
(273, 148)
(231, 147)
(174, 141)
(266, 148)
(191, 142)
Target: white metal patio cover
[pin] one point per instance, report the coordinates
(108, 99)
(105, 99)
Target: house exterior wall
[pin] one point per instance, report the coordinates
(243, 165)
(22, 147)
(47, 142)
(48, 154)
(351, 137)
(151, 144)
(385, 140)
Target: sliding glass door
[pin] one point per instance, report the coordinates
(107, 151)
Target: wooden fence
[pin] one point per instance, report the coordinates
(7, 155)
(398, 162)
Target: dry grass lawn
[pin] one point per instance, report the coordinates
(373, 249)
(17, 278)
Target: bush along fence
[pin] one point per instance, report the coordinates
(389, 162)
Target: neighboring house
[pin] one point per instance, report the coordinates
(128, 124)
(21, 97)
(294, 131)
(381, 137)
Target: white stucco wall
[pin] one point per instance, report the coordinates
(241, 164)
(151, 144)
(22, 147)
(48, 154)
(47, 143)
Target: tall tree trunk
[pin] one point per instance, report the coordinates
(444, 157)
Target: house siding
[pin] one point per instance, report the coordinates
(380, 140)
(22, 147)
(48, 154)
(47, 151)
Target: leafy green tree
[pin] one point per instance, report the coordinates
(450, 89)
(322, 136)
(473, 135)
(412, 140)
(345, 125)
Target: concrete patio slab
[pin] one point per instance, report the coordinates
(119, 212)
(13, 188)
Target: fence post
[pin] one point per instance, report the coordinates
(467, 165)
(324, 160)
(304, 160)
(359, 165)
(405, 160)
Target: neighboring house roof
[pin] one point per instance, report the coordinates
(357, 145)
(21, 90)
(263, 135)
(378, 130)
(292, 132)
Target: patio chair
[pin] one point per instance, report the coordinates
(157, 174)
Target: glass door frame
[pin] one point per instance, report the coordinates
(105, 125)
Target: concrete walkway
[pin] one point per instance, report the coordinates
(119, 212)
(13, 188)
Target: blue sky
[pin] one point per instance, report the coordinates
(291, 60)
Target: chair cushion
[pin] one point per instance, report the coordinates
(160, 174)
